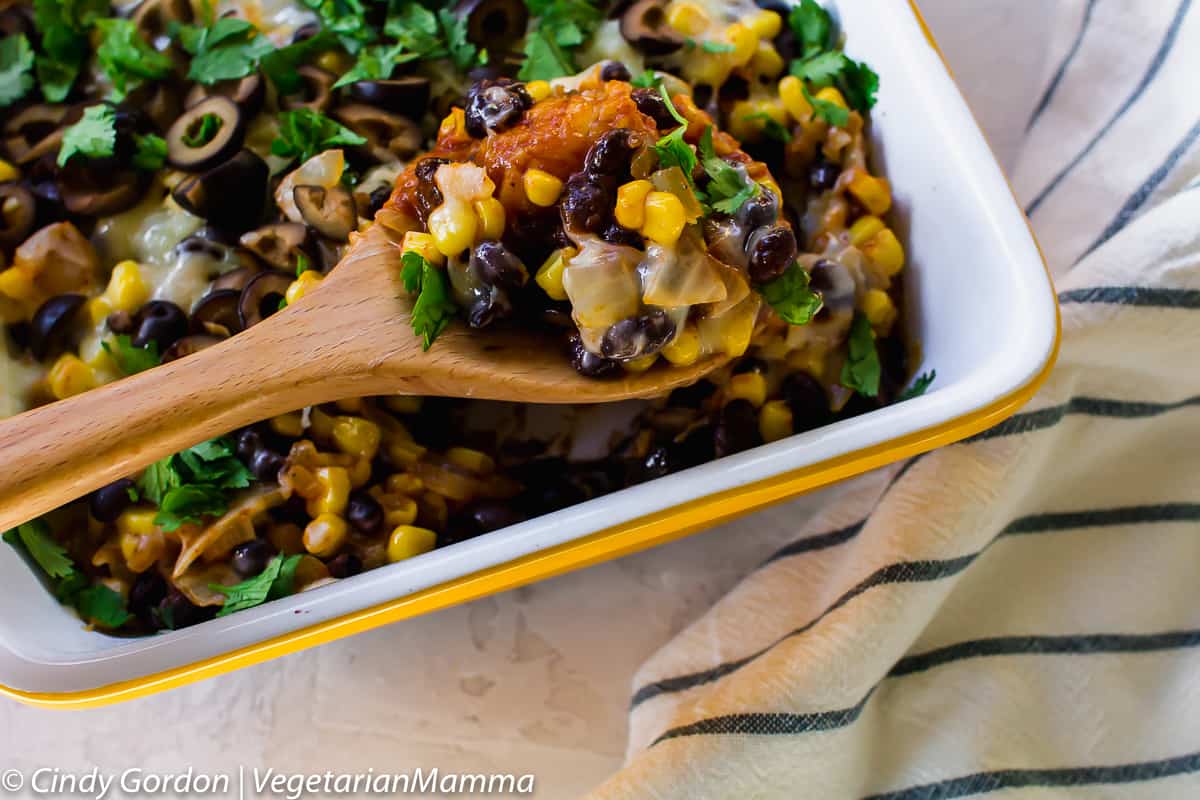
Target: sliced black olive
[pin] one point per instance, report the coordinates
(188, 345)
(205, 135)
(279, 244)
(161, 322)
(52, 322)
(95, 188)
(407, 96)
(495, 25)
(217, 313)
(17, 19)
(644, 25)
(317, 93)
(18, 210)
(154, 18)
(249, 93)
(260, 299)
(235, 279)
(330, 212)
(37, 131)
(389, 136)
(231, 195)
(159, 101)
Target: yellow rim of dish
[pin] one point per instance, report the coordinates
(639, 534)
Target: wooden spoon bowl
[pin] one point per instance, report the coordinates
(349, 337)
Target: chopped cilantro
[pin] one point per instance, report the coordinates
(829, 111)
(791, 297)
(64, 25)
(860, 84)
(716, 47)
(302, 265)
(919, 386)
(281, 65)
(46, 553)
(16, 68)
(375, 63)
(191, 484)
(346, 19)
(126, 57)
(812, 26)
(454, 29)
(130, 359)
(823, 64)
(150, 153)
(646, 80)
(101, 606)
(673, 151)
(202, 130)
(728, 187)
(230, 48)
(862, 370)
(189, 503)
(434, 308)
(93, 136)
(303, 133)
(771, 127)
(276, 580)
(544, 59)
(821, 69)
(561, 26)
(420, 33)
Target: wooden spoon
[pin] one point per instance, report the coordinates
(349, 337)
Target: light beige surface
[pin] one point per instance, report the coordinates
(535, 680)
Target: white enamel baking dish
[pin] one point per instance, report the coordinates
(981, 305)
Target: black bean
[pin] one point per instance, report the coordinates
(266, 464)
(695, 449)
(609, 157)
(377, 198)
(249, 442)
(587, 206)
(737, 429)
(807, 399)
(491, 515)
(822, 175)
(772, 251)
(250, 558)
(656, 464)
(148, 590)
(734, 88)
(692, 396)
(107, 502)
(489, 306)
(638, 336)
(346, 565)
(589, 364)
(52, 322)
(651, 103)
(160, 321)
(615, 71)
(495, 105)
(364, 513)
(429, 196)
(175, 611)
(200, 246)
(498, 267)
(760, 210)
(617, 234)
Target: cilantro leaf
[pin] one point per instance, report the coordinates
(822, 69)
(647, 80)
(303, 133)
(158, 479)
(375, 63)
(710, 46)
(203, 131)
(281, 65)
(434, 307)
(93, 136)
(544, 59)
(454, 29)
(228, 49)
(728, 187)
(191, 483)
(276, 580)
(673, 151)
(150, 153)
(829, 111)
(189, 503)
(812, 26)
(862, 370)
(48, 554)
(860, 84)
(771, 127)
(347, 19)
(16, 68)
(64, 25)
(919, 386)
(102, 607)
(126, 57)
(791, 297)
(560, 26)
(131, 359)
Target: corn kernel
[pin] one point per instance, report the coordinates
(126, 290)
(290, 424)
(454, 125)
(791, 92)
(491, 217)
(664, 218)
(403, 403)
(688, 18)
(879, 310)
(287, 538)
(360, 473)
(137, 521)
(538, 90)
(356, 436)
(8, 172)
(403, 483)
(69, 376)
(766, 24)
(744, 41)
(864, 229)
(398, 509)
(325, 534)
(471, 460)
(542, 188)
(642, 364)
(550, 275)
(18, 284)
(335, 491)
(750, 386)
(305, 283)
(406, 453)
(884, 252)
(684, 349)
(432, 511)
(631, 204)
(407, 541)
(775, 421)
(97, 309)
(874, 193)
(423, 245)
(453, 228)
(351, 405)
(830, 94)
(767, 62)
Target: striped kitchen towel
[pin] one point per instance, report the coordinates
(1017, 614)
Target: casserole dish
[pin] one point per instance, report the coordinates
(988, 326)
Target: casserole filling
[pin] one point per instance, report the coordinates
(659, 181)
